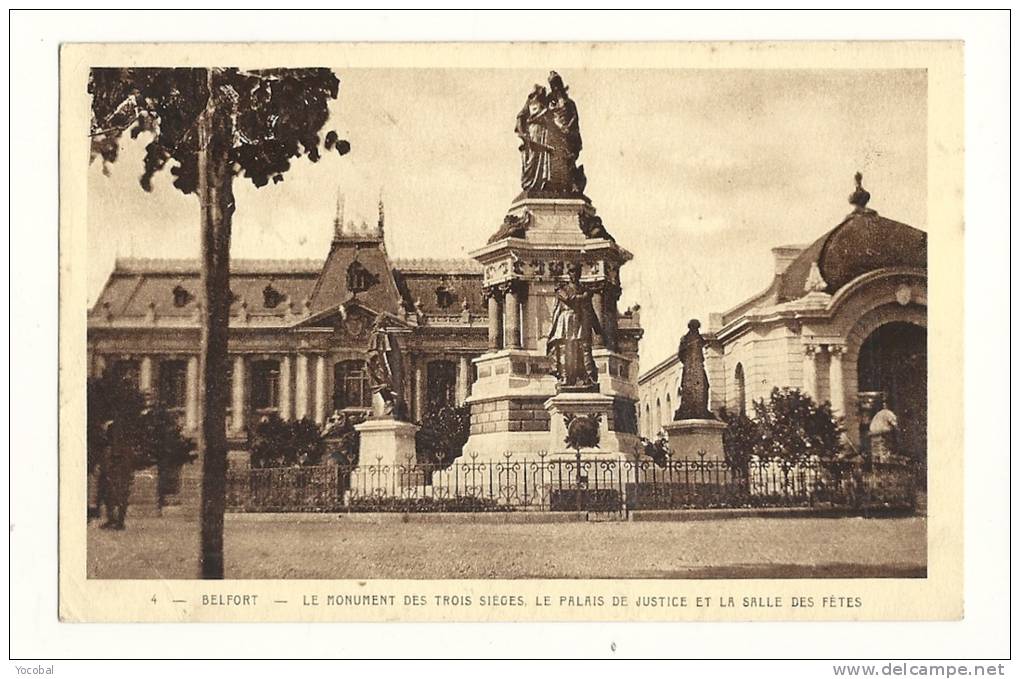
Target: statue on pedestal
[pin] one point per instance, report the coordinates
(694, 381)
(570, 337)
(550, 141)
(385, 372)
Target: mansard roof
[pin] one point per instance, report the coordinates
(277, 289)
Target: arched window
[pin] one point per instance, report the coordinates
(648, 421)
(658, 416)
(738, 378)
(668, 415)
(265, 386)
(350, 386)
(442, 385)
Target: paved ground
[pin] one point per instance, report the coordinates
(154, 547)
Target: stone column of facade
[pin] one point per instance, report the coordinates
(419, 387)
(301, 387)
(238, 391)
(599, 304)
(286, 412)
(191, 398)
(145, 374)
(320, 389)
(495, 318)
(512, 326)
(810, 381)
(836, 378)
(100, 365)
(463, 379)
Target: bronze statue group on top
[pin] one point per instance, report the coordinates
(550, 142)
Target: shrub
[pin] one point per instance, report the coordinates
(276, 443)
(789, 426)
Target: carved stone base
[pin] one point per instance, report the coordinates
(696, 439)
(611, 443)
(387, 442)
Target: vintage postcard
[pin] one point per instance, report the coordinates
(511, 332)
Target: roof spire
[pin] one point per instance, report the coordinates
(860, 197)
(338, 220)
(381, 226)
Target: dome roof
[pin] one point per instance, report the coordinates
(863, 242)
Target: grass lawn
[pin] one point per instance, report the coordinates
(167, 547)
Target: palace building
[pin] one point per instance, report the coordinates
(844, 320)
(298, 329)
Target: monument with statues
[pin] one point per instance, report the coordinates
(387, 438)
(694, 432)
(561, 357)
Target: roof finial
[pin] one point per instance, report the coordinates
(381, 226)
(860, 197)
(338, 220)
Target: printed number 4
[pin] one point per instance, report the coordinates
(153, 598)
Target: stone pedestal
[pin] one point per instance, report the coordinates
(522, 265)
(696, 439)
(387, 442)
(612, 443)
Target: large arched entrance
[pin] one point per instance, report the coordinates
(893, 364)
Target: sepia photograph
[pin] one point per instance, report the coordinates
(532, 334)
(510, 332)
(557, 325)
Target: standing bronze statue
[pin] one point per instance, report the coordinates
(385, 371)
(550, 137)
(570, 337)
(694, 380)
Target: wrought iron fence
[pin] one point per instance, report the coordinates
(563, 484)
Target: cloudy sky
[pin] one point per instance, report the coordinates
(699, 173)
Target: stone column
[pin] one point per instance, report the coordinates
(512, 328)
(810, 381)
(238, 389)
(145, 375)
(99, 365)
(285, 401)
(301, 387)
(320, 389)
(191, 398)
(420, 377)
(495, 319)
(836, 378)
(463, 379)
(599, 304)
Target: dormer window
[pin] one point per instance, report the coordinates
(359, 278)
(445, 297)
(271, 297)
(182, 297)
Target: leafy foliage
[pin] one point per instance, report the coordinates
(278, 443)
(740, 437)
(442, 436)
(276, 115)
(154, 432)
(788, 426)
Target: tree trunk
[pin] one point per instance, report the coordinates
(217, 202)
